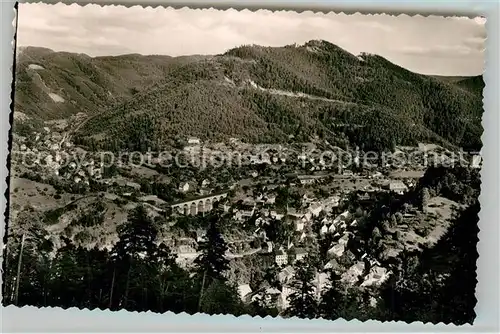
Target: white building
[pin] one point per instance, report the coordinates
(398, 187)
(331, 229)
(184, 187)
(286, 274)
(336, 250)
(244, 290)
(271, 199)
(299, 225)
(376, 276)
(300, 253)
(344, 215)
(352, 274)
(275, 215)
(307, 181)
(281, 258)
(324, 230)
(344, 240)
(332, 264)
(194, 141)
(316, 209)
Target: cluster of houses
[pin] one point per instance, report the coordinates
(51, 152)
(279, 297)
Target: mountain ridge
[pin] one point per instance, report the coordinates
(255, 85)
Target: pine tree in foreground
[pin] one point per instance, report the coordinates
(303, 303)
(212, 262)
(331, 299)
(134, 254)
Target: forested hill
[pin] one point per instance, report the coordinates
(270, 94)
(473, 84)
(53, 85)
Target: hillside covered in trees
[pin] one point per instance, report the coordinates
(139, 273)
(259, 94)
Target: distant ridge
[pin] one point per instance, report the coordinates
(260, 94)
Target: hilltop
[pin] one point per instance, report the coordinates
(259, 94)
(56, 85)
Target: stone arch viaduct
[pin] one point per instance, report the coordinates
(201, 204)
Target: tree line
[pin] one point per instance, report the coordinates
(141, 273)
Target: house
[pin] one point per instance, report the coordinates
(201, 236)
(186, 249)
(376, 276)
(306, 180)
(300, 253)
(286, 274)
(299, 225)
(193, 141)
(476, 161)
(244, 291)
(271, 199)
(323, 230)
(398, 187)
(353, 273)
(205, 183)
(344, 240)
(307, 217)
(244, 214)
(316, 209)
(341, 217)
(260, 159)
(331, 229)
(302, 157)
(275, 215)
(326, 221)
(332, 201)
(281, 258)
(337, 250)
(267, 247)
(225, 207)
(332, 264)
(184, 187)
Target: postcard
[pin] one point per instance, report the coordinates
(263, 163)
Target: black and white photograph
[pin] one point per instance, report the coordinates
(237, 162)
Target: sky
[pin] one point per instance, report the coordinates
(427, 45)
